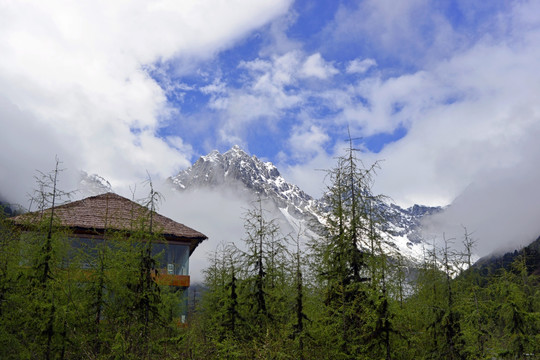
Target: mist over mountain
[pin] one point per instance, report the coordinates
(489, 265)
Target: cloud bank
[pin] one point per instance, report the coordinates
(73, 81)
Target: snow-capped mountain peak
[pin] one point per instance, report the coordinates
(213, 156)
(93, 184)
(236, 169)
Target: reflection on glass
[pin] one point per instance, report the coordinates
(172, 257)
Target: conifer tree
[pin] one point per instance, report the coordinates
(33, 286)
(472, 304)
(299, 328)
(11, 293)
(262, 258)
(146, 292)
(450, 324)
(345, 268)
(517, 319)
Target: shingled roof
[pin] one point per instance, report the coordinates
(110, 211)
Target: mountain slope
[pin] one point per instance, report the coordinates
(252, 177)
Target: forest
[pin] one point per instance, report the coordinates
(336, 296)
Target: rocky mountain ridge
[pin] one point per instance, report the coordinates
(237, 170)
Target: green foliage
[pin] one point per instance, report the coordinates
(247, 307)
(342, 297)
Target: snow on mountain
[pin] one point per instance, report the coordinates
(249, 176)
(237, 170)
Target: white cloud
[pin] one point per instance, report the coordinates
(178, 143)
(76, 70)
(311, 174)
(358, 66)
(217, 91)
(315, 66)
(263, 96)
(276, 41)
(225, 210)
(216, 87)
(271, 87)
(411, 32)
(19, 159)
(307, 141)
(500, 209)
(450, 143)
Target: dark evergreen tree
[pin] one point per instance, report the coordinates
(348, 265)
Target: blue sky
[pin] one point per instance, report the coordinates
(312, 28)
(445, 92)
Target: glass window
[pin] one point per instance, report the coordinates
(180, 311)
(174, 258)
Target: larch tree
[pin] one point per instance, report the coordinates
(346, 256)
